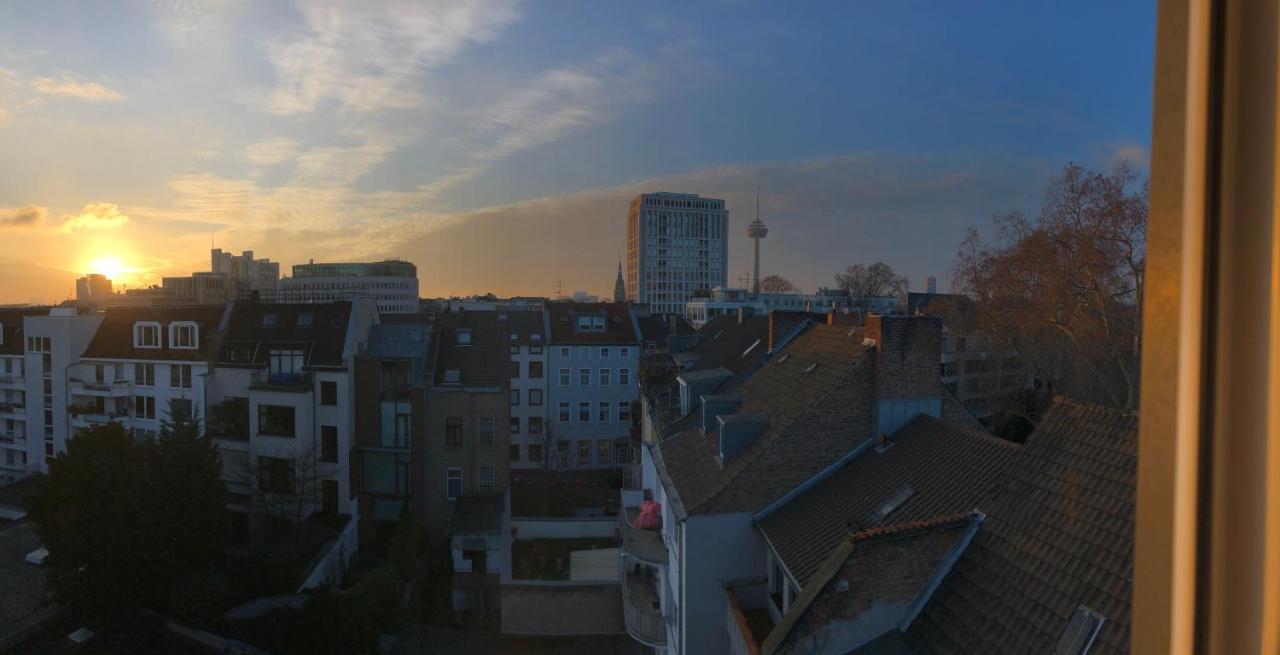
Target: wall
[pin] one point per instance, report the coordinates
(588, 357)
(718, 548)
(330, 568)
(470, 407)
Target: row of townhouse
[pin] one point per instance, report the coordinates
(829, 494)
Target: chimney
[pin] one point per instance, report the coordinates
(743, 313)
(908, 349)
(781, 323)
(844, 318)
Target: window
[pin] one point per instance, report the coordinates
(183, 335)
(535, 370)
(328, 392)
(584, 452)
(463, 338)
(452, 376)
(144, 375)
(564, 352)
(604, 377)
(275, 475)
(604, 353)
(285, 361)
(624, 352)
(180, 376)
(624, 377)
(488, 480)
(305, 319)
(584, 353)
(604, 412)
(515, 369)
(386, 473)
(535, 453)
(535, 397)
(1081, 631)
(602, 452)
(564, 377)
(584, 412)
(453, 432)
(564, 413)
(535, 350)
(515, 397)
(484, 432)
(535, 425)
(396, 425)
(276, 420)
(145, 335)
(453, 484)
(584, 377)
(515, 425)
(269, 320)
(144, 406)
(329, 444)
(624, 411)
(515, 452)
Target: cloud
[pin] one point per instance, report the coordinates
(23, 217)
(95, 216)
(65, 85)
(369, 60)
(1136, 154)
(272, 151)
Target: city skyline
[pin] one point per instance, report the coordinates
(495, 139)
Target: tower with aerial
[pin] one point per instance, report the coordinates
(757, 231)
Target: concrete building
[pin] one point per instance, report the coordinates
(93, 289)
(393, 284)
(595, 362)
(526, 338)
(391, 383)
(13, 392)
(743, 446)
(722, 301)
(677, 243)
(262, 275)
(54, 343)
(281, 407)
(142, 365)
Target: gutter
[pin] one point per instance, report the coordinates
(976, 518)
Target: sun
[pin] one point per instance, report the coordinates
(110, 266)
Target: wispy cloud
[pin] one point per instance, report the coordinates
(272, 151)
(368, 60)
(95, 216)
(67, 86)
(23, 217)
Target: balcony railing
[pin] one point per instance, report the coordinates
(8, 379)
(641, 609)
(644, 545)
(12, 408)
(293, 382)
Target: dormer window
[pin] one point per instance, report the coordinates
(590, 323)
(146, 334)
(268, 320)
(304, 319)
(184, 335)
(452, 376)
(463, 336)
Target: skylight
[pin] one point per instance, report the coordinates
(304, 319)
(895, 501)
(452, 376)
(268, 320)
(784, 357)
(809, 369)
(463, 336)
(750, 348)
(1081, 631)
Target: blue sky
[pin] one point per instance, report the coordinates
(495, 143)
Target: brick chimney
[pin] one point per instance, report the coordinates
(908, 351)
(782, 322)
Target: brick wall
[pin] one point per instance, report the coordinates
(472, 408)
(908, 351)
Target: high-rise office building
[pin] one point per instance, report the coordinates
(676, 245)
(392, 283)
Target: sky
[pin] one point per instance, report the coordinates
(496, 143)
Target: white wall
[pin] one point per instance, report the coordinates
(718, 548)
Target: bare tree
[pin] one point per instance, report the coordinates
(288, 486)
(1065, 289)
(777, 284)
(549, 440)
(862, 283)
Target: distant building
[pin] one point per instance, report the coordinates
(677, 243)
(393, 284)
(525, 333)
(584, 297)
(619, 287)
(232, 277)
(728, 301)
(261, 275)
(93, 289)
(14, 442)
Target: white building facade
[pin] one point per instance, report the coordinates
(526, 334)
(392, 284)
(677, 243)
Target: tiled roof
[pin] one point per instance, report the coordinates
(114, 336)
(1058, 535)
(656, 328)
(485, 362)
(880, 569)
(728, 350)
(254, 328)
(619, 326)
(824, 363)
(524, 324)
(403, 342)
(11, 323)
(948, 470)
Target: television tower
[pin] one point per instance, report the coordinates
(757, 231)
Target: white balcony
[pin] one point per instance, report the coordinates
(13, 410)
(11, 381)
(116, 389)
(644, 545)
(642, 604)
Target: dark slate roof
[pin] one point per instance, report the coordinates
(804, 435)
(948, 469)
(11, 323)
(728, 351)
(475, 514)
(619, 326)
(880, 568)
(403, 342)
(114, 337)
(524, 324)
(250, 335)
(486, 362)
(1058, 534)
(655, 328)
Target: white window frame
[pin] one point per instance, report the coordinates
(488, 479)
(566, 377)
(449, 476)
(602, 377)
(565, 411)
(138, 328)
(624, 377)
(174, 329)
(584, 380)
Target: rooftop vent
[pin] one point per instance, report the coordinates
(810, 368)
(751, 348)
(1081, 631)
(895, 501)
(452, 376)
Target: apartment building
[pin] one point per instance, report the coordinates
(281, 407)
(595, 360)
(393, 284)
(54, 342)
(730, 301)
(392, 378)
(526, 338)
(246, 272)
(13, 392)
(745, 444)
(467, 445)
(143, 364)
(677, 243)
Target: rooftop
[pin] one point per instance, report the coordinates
(11, 339)
(114, 338)
(610, 323)
(255, 328)
(474, 347)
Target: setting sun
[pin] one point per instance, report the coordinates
(109, 266)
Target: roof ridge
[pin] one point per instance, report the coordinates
(1066, 401)
(909, 526)
(1005, 443)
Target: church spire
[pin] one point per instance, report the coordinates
(619, 289)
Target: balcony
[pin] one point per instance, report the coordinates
(747, 618)
(642, 607)
(644, 545)
(13, 410)
(289, 382)
(11, 381)
(115, 389)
